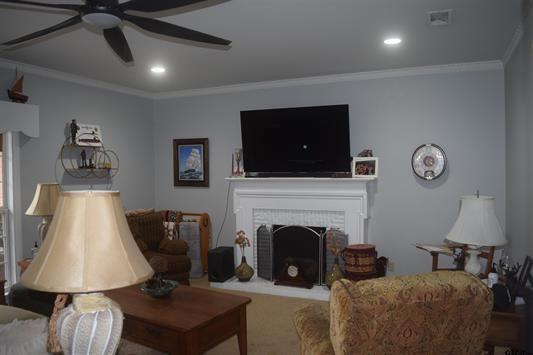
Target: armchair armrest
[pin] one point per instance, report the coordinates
(175, 247)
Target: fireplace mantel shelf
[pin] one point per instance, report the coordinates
(297, 179)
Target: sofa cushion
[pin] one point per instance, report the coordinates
(24, 337)
(148, 227)
(312, 326)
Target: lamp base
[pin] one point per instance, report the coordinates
(473, 265)
(92, 324)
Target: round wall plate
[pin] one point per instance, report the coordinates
(428, 161)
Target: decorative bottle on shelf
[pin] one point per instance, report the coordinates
(34, 250)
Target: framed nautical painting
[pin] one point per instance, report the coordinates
(191, 162)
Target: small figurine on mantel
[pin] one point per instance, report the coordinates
(366, 153)
(15, 93)
(74, 128)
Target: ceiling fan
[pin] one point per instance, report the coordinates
(107, 15)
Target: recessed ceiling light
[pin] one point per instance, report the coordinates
(158, 69)
(392, 41)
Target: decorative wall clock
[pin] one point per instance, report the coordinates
(429, 161)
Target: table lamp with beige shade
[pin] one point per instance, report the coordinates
(43, 205)
(476, 226)
(89, 248)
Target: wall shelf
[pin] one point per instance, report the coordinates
(88, 161)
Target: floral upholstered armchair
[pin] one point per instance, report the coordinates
(443, 312)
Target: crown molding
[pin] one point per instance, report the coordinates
(518, 33)
(337, 78)
(314, 80)
(513, 44)
(59, 75)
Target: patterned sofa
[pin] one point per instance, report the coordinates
(443, 312)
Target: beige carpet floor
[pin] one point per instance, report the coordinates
(270, 327)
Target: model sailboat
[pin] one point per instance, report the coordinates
(15, 93)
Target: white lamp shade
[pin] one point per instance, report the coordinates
(89, 247)
(45, 200)
(477, 223)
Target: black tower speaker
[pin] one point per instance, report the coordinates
(221, 265)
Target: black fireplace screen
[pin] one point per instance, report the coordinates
(301, 244)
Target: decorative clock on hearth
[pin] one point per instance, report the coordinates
(293, 275)
(429, 161)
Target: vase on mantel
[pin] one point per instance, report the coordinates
(244, 272)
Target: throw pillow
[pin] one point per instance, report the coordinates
(171, 232)
(24, 337)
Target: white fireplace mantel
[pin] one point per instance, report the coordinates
(300, 201)
(341, 203)
(322, 202)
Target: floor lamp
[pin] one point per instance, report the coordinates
(89, 248)
(43, 205)
(476, 226)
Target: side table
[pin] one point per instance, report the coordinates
(508, 329)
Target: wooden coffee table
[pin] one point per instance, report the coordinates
(191, 321)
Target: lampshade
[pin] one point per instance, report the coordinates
(89, 247)
(45, 200)
(477, 223)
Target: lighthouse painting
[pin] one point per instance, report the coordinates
(190, 162)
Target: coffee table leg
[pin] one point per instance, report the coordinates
(242, 334)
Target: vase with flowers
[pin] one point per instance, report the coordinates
(243, 272)
(335, 244)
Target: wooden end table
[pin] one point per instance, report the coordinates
(507, 328)
(191, 321)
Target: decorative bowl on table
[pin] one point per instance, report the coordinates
(159, 291)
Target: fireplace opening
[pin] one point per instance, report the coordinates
(301, 244)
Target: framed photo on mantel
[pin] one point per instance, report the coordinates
(191, 162)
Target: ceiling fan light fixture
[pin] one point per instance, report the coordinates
(101, 20)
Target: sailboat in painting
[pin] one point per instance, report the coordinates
(15, 93)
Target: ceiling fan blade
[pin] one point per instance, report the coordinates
(55, 6)
(115, 38)
(169, 29)
(70, 22)
(156, 5)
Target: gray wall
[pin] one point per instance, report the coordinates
(462, 112)
(126, 122)
(519, 149)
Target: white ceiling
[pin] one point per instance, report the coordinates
(272, 40)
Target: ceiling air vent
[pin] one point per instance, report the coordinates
(440, 18)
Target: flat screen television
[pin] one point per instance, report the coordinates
(302, 141)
